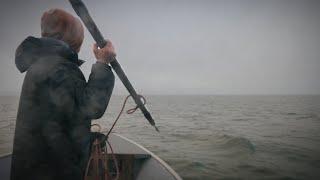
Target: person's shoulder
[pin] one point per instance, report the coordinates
(66, 70)
(41, 70)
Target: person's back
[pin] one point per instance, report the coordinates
(52, 136)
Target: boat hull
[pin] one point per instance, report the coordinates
(138, 162)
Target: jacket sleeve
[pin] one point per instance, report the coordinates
(90, 98)
(93, 99)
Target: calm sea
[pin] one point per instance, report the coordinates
(217, 137)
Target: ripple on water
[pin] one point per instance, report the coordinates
(229, 142)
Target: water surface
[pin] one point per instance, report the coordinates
(217, 137)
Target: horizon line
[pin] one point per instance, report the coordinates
(200, 94)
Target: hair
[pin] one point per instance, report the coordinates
(58, 24)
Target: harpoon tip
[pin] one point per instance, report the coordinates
(157, 129)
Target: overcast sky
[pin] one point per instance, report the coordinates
(188, 46)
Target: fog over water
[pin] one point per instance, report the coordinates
(188, 46)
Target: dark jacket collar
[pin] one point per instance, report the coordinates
(32, 49)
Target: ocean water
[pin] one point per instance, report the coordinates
(217, 137)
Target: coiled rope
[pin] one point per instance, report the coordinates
(98, 156)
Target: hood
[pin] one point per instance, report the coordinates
(32, 49)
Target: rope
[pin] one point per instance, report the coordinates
(115, 160)
(97, 151)
(129, 111)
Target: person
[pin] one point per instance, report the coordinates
(52, 136)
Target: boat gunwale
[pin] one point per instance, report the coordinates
(162, 162)
(5, 155)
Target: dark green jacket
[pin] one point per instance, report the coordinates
(52, 135)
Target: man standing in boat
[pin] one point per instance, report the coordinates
(52, 135)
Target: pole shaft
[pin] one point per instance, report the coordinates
(84, 15)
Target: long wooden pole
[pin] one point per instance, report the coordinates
(84, 15)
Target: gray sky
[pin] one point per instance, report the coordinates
(188, 46)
